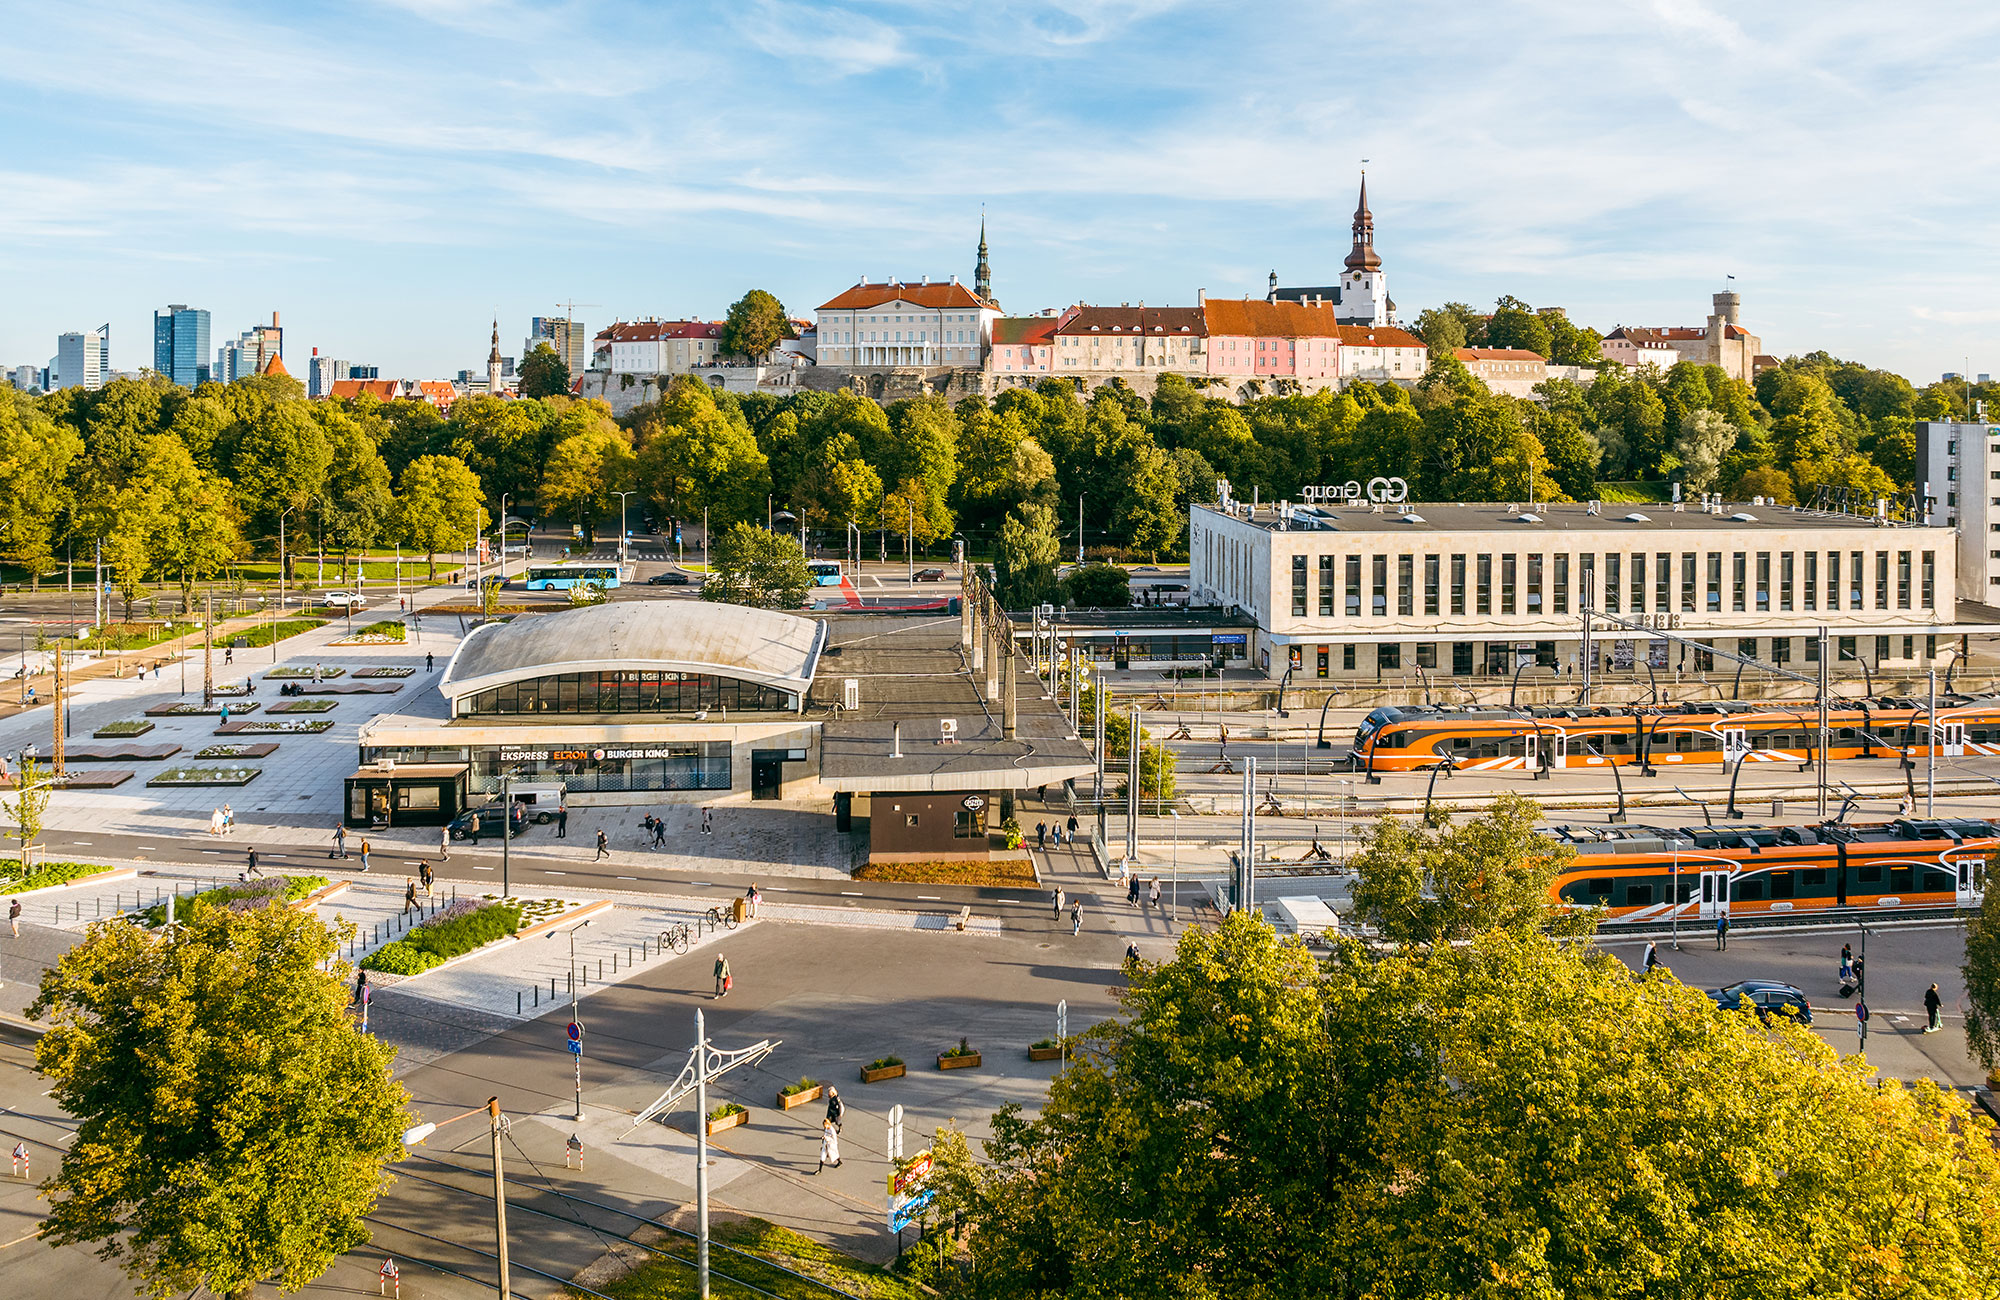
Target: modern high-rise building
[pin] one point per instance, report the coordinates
(250, 354)
(1958, 479)
(180, 344)
(27, 378)
(568, 337)
(83, 360)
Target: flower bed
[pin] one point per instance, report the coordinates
(189, 709)
(385, 672)
(884, 1067)
(293, 671)
(201, 776)
(238, 898)
(234, 689)
(303, 706)
(256, 750)
(12, 881)
(122, 729)
(726, 1116)
(386, 633)
(280, 726)
(803, 1093)
(460, 928)
(266, 633)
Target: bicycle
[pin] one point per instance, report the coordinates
(677, 937)
(726, 919)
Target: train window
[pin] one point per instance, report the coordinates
(1938, 882)
(1749, 891)
(1815, 875)
(1462, 742)
(1599, 889)
(1870, 875)
(1901, 879)
(1783, 885)
(1845, 733)
(1688, 886)
(1683, 741)
(1638, 895)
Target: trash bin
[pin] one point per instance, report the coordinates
(1777, 808)
(740, 908)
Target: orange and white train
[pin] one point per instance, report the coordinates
(1421, 737)
(1648, 874)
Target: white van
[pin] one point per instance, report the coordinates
(540, 797)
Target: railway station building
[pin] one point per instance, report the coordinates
(876, 719)
(1352, 591)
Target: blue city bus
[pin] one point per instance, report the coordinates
(825, 573)
(561, 577)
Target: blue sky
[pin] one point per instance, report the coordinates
(390, 175)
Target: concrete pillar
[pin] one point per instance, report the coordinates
(994, 633)
(1010, 673)
(974, 619)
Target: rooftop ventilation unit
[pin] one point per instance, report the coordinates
(1636, 518)
(1743, 517)
(850, 694)
(947, 731)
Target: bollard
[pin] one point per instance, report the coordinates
(600, 970)
(517, 1002)
(538, 995)
(552, 988)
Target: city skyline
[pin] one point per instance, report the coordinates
(390, 202)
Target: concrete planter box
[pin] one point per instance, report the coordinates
(122, 730)
(792, 1101)
(958, 1062)
(728, 1122)
(1045, 1053)
(886, 1072)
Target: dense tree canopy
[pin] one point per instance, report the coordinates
(753, 566)
(1508, 1117)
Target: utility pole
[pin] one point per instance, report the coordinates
(507, 840)
(208, 650)
(1079, 528)
(1825, 729)
(910, 541)
(1132, 797)
(1930, 750)
(59, 708)
(499, 1194)
(704, 1064)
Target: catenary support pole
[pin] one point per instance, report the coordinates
(499, 1196)
(1132, 796)
(701, 1148)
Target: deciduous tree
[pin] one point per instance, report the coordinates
(543, 373)
(756, 323)
(439, 506)
(233, 1124)
(756, 567)
(1704, 439)
(584, 474)
(1426, 884)
(1029, 546)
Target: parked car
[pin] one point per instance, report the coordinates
(930, 575)
(1766, 996)
(345, 599)
(489, 820)
(668, 579)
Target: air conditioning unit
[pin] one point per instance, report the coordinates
(385, 765)
(850, 693)
(947, 731)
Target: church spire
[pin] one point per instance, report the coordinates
(1363, 257)
(493, 362)
(982, 274)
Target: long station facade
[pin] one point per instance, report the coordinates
(1365, 590)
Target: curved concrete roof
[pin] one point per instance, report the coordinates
(687, 636)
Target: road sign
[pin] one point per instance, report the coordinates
(575, 1048)
(901, 1213)
(895, 1147)
(575, 1032)
(1062, 1019)
(912, 1176)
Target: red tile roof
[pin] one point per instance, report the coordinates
(650, 331)
(276, 366)
(1157, 322)
(1667, 334)
(1499, 354)
(386, 389)
(1378, 336)
(933, 296)
(1028, 330)
(1255, 318)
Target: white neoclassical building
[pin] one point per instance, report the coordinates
(895, 324)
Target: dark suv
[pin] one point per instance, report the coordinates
(1766, 997)
(489, 821)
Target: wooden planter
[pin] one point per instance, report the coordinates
(1045, 1053)
(792, 1101)
(958, 1062)
(886, 1072)
(728, 1122)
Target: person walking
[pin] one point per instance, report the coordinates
(472, 830)
(444, 843)
(1058, 902)
(228, 655)
(427, 877)
(1132, 951)
(364, 855)
(751, 900)
(1933, 1010)
(339, 841)
(1722, 932)
(228, 820)
(215, 822)
(1041, 835)
(659, 832)
(562, 821)
(430, 662)
(250, 860)
(1154, 896)
(1652, 957)
(708, 821)
(1132, 890)
(603, 847)
(834, 1107)
(409, 894)
(1072, 825)
(829, 1145)
(225, 713)
(722, 978)
(360, 987)
(1076, 918)
(14, 916)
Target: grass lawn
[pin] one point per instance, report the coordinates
(44, 874)
(129, 636)
(999, 873)
(265, 633)
(664, 1279)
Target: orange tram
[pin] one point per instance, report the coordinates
(1421, 737)
(1642, 874)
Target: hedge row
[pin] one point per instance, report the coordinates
(463, 926)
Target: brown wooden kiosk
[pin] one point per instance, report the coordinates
(405, 794)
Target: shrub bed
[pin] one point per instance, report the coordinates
(459, 929)
(12, 881)
(293, 672)
(385, 672)
(279, 725)
(266, 633)
(239, 898)
(303, 706)
(116, 729)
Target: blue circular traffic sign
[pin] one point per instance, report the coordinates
(575, 1031)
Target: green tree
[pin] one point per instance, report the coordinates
(439, 507)
(1097, 586)
(694, 456)
(1981, 969)
(29, 806)
(357, 502)
(233, 1123)
(1514, 324)
(1700, 445)
(1573, 451)
(755, 567)
(543, 373)
(1571, 344)
(1426, 884)
(1029, 547)
(1767, 481)
(756, 323)
(36, 459)
(190, 524)
(585, 472)
(1442, 331)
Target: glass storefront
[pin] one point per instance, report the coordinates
(627, 692)
(585, 769)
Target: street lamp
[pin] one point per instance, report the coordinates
(491, 1110)
(574, 993)
(621, 525)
